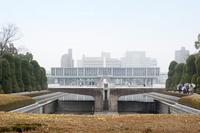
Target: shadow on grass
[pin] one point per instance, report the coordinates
(21, 128)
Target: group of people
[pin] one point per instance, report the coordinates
(186, 88)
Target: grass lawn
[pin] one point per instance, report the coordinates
(10, 102)
(192, 101)
(137, 123)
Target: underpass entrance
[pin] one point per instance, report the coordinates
(137, 103)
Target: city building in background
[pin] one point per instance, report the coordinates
(181, 55)
(67, 60)
(131, 70)
(112, 62)
(104, 60)
(105, 55)
(131, 59)
(137, 59)
(90, 62)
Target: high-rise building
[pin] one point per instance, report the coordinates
(90, 62)
(181, 55)
(137, 59)
(112, 62)
(131, 59)
(104, 61)
(67, 60)
(105, 54)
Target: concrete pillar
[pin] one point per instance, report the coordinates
(113, 103)
(98, 107)
(151, 81)
(145, 82)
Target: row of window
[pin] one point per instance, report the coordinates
(105, 71)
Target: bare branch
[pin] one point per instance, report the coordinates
(8, 34)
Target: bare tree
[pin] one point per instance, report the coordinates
(8, 34)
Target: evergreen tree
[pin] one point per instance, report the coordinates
(6, 81)
(197, 64)
(186, 78)
(190, 66)
(10, 58)
(194, 79)
(178, 73)
(43, 82)
(170, 81)
(26, 75)
(36, 74)
(1, 91)
(34, 82)
(198, 85)
(18, 73)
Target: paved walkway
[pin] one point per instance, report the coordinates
(168, 97)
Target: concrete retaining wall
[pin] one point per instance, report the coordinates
(75, 106)
(50, 108)
(136, 107)
(162, 108)
(166, 108)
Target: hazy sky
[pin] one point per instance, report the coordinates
(50, 27)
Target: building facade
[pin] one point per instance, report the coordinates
(115, 76)
(103, 61)
(137, 59)
(133, 69)
(162, 78)
(91, 62)
(67, 60)
(112, 62)
(181, 55)
(131, 59)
